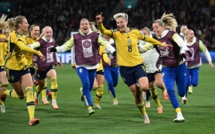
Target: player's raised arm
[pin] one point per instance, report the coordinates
(99, 20)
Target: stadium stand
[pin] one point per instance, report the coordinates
(64, 15)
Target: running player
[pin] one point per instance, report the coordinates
(46, 69)
(172, 59)
(87, 57)
(3, 53)
(150, 59)
(194, 62)
(18, 72)
(128, 57)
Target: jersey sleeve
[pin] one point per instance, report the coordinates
(66, 46)
(22, 45)
(146, 47)
(204, 49)
(149, 39)
(181, 43)
(105, 43)
(105, 31)
(25, 48)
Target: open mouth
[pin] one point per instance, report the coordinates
(120, 28)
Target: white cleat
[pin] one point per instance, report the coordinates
(115, 102)
(179, 119)
(2, 108)
(97, 106)
(91, 111)
(146, 119)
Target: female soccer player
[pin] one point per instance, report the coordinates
(194, 62)
(46, 69)
(18, 72)
(128, 57)
(3, 53)
(87, 57)
(34, 35)
(98, 84)
(150, 59)
(172, 59)
(111, 72)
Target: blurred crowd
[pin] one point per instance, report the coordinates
(64, 15)
(198, 15)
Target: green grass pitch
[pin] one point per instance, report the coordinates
(72, 117)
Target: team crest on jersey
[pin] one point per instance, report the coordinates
(87, 48)
(164, 52)
(86, 43)
(129, 41)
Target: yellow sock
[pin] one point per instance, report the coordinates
(155, 96)
(38, 90)
(142, 108)
(30, 102)
(178, 110)
(44, 93)
(1, 102)
(190, 87)
(44, 90)
(12, 93)
(54, 87)
(89, 107)
(99, 94)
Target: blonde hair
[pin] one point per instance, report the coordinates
(167, 21)
(84, 19)
(3, 23)
(43, 30)
(93, 27)
(13, 23)
(146, 29)
(187, 31)
(123, 15)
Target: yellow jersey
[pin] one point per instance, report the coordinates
(127, 45)
(3, 50)
(17, 48)
(29, 56)
(104, 57)
(100, 66)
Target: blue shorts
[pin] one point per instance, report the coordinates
(42, 74)
(151, 76)
(2, 68)
(15, 75)
(32, 70)
(130, 75)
